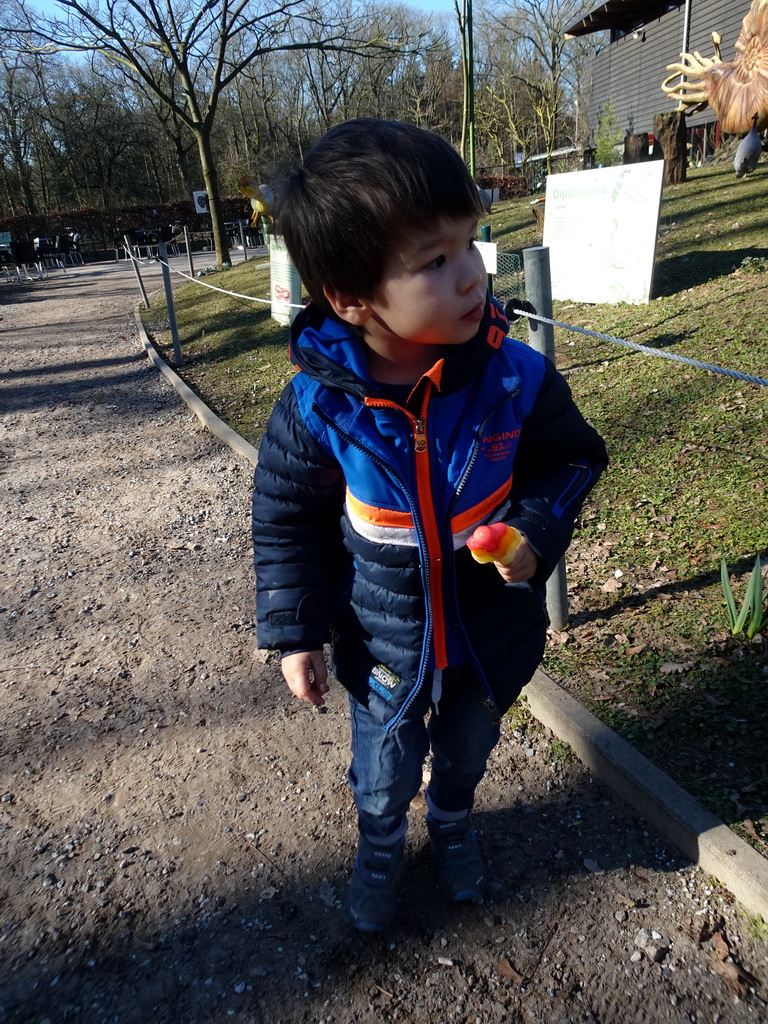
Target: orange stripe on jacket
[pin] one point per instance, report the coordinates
(478, 512)
(390, 517)
(379, 516)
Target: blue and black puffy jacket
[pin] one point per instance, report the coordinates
(362, 508)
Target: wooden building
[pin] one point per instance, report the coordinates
(641, 38)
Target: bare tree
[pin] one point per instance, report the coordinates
(534, 30)
(506, 122)
(20, 106)
(202, 47)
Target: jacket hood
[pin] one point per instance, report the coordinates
(333, 353)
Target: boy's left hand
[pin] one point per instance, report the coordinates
(523, 565)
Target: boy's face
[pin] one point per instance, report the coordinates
(432, 291)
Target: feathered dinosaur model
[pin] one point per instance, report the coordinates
(736, 90)
(260, 196)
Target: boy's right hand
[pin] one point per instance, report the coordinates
(306, 675)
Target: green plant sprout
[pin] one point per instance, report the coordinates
(750, 619)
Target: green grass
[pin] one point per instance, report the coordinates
(647, 650)
(235, 355)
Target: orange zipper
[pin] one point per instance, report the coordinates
(434, 548)
(427, 513)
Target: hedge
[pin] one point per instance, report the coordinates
(99, 227)
(509, 185)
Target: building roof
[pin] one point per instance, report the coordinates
(621, 14)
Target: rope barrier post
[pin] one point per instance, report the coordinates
(169, 303)
(243, 240)
(188, 244)
(137, 272)
(485, 236)
(538, 290)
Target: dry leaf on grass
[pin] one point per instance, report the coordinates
(750, 825)
(675, 667)
(611, 586)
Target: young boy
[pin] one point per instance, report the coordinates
(412, 420)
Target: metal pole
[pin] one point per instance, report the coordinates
(243, 240)
(485, 236)
(686, 30)
(169, 303)
(538, 290)
(470, 88)
(129, 254)
(188, 243)
(686, 26)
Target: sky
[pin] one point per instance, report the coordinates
(433, 5)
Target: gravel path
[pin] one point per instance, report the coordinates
(176, 831)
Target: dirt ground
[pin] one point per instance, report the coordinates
(176, 831)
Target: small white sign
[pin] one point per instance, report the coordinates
(600, 228)
(489, 251)
(284, 282)
(200, 199)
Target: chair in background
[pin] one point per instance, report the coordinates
(141, 238)
(8, 266)
(25, 256)
(168, 235)
(48, 254)
(68, 246)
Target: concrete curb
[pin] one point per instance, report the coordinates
(701, 836)
(199, 408)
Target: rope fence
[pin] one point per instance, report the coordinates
(213, 287)
(535, 277)
(509, 266)
(645, 349)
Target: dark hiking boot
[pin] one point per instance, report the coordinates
(462, 873)
(373, 890)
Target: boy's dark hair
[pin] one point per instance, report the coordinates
(360, 187)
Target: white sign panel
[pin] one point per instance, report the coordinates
(200, 199)
(490, 253)
(600, 227)
(284, 282)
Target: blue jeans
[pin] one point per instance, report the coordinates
(386, 769)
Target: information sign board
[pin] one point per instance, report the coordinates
(284, 282)
(490, 253)
(200, 199)
(600, 228)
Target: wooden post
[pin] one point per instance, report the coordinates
(670, 132)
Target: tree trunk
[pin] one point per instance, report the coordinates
(670, 132)
(211, 182)
(23, 175)
(635, 149)
(464, 93)
(182, 164)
